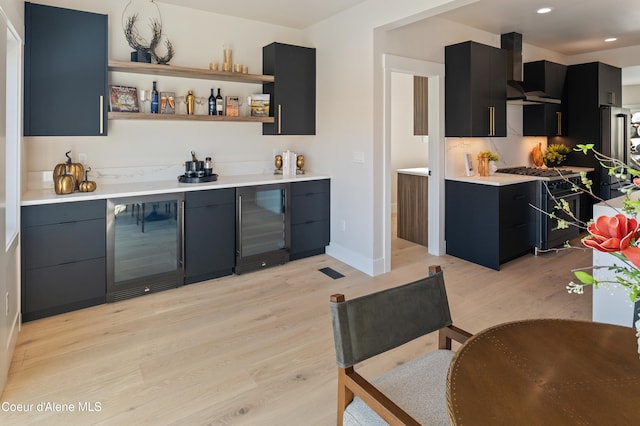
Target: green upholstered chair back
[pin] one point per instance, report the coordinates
(372, 324)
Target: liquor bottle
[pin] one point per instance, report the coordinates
(191, 103)
(212, 103)
(154, 99)
(219, 103)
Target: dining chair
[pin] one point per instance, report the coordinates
(413, 393)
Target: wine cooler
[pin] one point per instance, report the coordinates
(262, 231)
(145, 245)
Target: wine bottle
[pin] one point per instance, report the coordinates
(154, 99)
(219, 103)
(212, 103)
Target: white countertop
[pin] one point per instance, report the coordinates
(500, 179)
(104, 191)
(417, 171)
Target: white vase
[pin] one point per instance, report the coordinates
(492, 167)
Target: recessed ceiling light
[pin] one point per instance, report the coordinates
(544, 10)
(610, 39)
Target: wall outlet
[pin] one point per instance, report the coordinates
(358, 157)
(82, 158)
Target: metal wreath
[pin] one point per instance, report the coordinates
(137, 42)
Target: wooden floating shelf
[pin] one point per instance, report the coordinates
(184, 117)
(174, 71)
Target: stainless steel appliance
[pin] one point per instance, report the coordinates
(262, 230)
(144, 244)
(552, 185)
(615, 143)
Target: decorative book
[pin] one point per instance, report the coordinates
(124, 99)
(260, 105)
(167, 103)
(232, 103)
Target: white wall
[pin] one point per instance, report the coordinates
(350, 120)
(235, 147)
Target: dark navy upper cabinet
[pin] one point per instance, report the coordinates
(65, 72)
(293, 94)
(475, 90)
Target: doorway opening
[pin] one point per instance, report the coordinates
(397, 68)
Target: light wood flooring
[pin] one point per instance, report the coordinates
(254, 349)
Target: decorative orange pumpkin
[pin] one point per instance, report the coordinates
(536, 155)
(74, 169)
(64, 183)
(87, 185)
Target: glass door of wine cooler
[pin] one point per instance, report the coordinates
(262, 229)
(144, 244)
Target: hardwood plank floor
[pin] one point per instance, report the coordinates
(253, 349)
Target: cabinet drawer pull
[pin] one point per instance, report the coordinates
(559, 115)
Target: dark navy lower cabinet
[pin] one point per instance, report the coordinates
(63, 257)
(310, 213)
(210, 220)
(489, 225)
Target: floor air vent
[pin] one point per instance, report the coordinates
(331, 273)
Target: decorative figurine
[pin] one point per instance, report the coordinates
(278, 162)
(300, 165)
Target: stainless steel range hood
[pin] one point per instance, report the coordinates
(516, 89)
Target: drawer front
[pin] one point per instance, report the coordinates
(311, 186)
(309, 236)
(63, 243)
(48, 214)
(61, 285)
(310, 208)
(210, 197)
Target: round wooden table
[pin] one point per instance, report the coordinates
(546, 372)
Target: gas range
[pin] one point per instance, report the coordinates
(554, 179)
(543, 174)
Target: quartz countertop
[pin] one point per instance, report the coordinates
(500, 179)
(417, 171)
(104, 191)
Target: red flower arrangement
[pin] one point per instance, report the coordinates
(618, 235)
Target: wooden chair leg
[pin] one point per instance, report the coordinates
(345, 396)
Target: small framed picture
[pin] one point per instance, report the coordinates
(167, 103)
(260, 105)
(124, 99)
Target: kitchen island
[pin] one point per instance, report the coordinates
(493, 219)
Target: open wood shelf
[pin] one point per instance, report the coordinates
(146, 116)
(185, 72)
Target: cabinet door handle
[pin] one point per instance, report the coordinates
(279, 119)
(101, 115)
(492, 123)
(239, 220)
(559, 115)
(182, 237)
